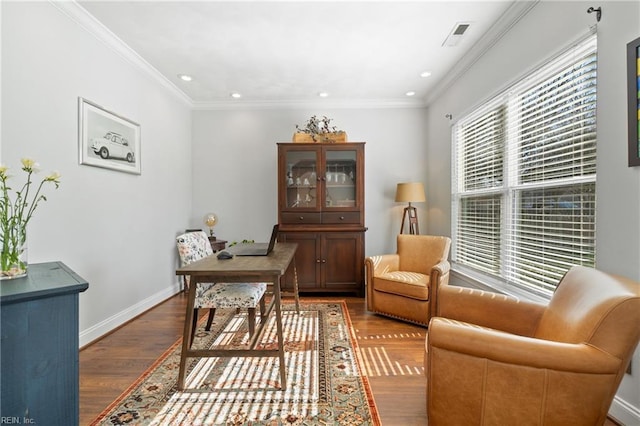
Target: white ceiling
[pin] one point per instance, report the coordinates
(287, 52)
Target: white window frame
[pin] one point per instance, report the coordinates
(510, 182)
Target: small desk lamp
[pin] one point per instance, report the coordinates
(412, 192)
(210, 219)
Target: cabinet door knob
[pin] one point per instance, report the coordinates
(324, 260)
(341, 217)
(317, 260)
(301, 218)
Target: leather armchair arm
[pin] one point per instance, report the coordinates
(443, 268)
(439, 277)
(488, 309)
(383, 263)
(373, 265)
(483, 343)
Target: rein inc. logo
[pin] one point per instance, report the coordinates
(5, 420)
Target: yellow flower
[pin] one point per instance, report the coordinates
(53, 177)
(30, 165)
(27, 162)
(3, 170)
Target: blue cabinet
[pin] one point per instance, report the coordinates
(39, 376)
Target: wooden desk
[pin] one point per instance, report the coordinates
(267, 269)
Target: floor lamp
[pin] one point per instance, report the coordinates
(412, 192)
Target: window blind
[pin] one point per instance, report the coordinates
(525, 173)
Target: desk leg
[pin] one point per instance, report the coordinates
(283, 367)
(186, 336)
(295, 285)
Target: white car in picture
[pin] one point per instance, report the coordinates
(112, 145)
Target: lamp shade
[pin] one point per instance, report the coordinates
(411, 192)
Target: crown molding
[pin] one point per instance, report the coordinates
(516, 11)
(89, 23)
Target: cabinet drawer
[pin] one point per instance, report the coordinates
(301, 217)
(341, 217)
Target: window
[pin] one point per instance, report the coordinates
(524, 176)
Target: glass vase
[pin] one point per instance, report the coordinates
(13, 259)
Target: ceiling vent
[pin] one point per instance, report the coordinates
(456, 34)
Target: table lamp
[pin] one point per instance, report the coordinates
(411, 192)
(210, 219)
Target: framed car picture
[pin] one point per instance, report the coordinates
(106, 139)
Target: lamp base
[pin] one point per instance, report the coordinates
(410, 214)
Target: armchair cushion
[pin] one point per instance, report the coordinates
(408, 284)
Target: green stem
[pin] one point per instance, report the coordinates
(36, 200)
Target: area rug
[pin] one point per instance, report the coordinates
(325, 384)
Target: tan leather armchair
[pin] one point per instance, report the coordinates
(493, 360)
(404, 285)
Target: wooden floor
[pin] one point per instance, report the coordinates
(391, 351)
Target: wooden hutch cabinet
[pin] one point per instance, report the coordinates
(321, 207)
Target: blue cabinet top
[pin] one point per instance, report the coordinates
(43, 280)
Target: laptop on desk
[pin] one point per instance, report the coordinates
(256, 249)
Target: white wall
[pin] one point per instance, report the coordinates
(114, 229)
(545, 29)
(235, 161)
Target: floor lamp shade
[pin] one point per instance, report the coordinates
(411, 192)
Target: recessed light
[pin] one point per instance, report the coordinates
(236, 95)
(323, 94)
(410, 93)
(425, 74)
(185, 77)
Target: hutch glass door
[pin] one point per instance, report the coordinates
(302, 179)
(340, 178)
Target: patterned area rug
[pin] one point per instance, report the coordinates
(325, 385)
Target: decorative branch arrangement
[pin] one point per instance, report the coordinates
(320, 130)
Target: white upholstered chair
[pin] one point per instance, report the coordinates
(193, 246)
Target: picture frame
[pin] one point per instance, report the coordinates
(107, 140)
(633, 96)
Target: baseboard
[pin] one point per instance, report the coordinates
(624, 413)
(95, 332)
